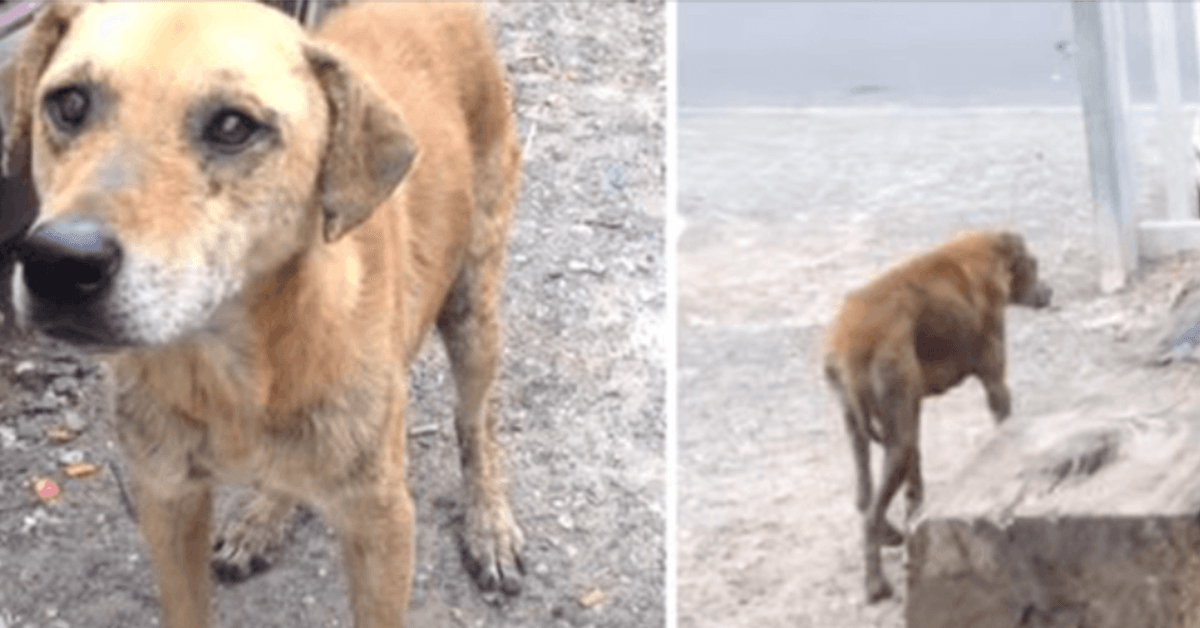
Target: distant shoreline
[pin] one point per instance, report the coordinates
(1141, 109)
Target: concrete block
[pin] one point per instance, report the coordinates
(1066, 520)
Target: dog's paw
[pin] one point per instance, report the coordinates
(249, 545)
(491, 546)
(1000, 402)
(877, 589)
(233, 562)
(887, 535)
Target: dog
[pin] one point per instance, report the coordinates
(919, 330)
(256, 226)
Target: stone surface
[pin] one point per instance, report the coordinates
(1080, 518)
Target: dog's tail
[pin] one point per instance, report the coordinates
(854, 395)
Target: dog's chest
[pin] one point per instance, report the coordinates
(307, 453)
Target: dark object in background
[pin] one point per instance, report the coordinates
(18, 201)
(18, 209)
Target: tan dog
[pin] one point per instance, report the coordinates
(918, 330)
(258, 227)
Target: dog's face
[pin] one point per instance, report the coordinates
(183, 152)
(1026, 289)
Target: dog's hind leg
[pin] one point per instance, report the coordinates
(470, 327)
(860, 447)
(244, 544)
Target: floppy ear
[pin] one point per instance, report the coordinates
(369, 149)
(1011, 245)
(19, 77)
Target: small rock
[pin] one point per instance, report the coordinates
(73, 420)
(81, 470)
(595, 597)
(614, 176)
(60, 435)
(51, 612)
(566, 522)
(28, 429)
(541, 569)
(65, 385)
(8, 438)
(71, 456)
(24, 367)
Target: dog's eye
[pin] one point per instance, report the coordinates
(69, 107)
(229, 129)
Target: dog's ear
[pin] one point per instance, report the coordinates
(19, 78)
(369, 149)
(1010, 245)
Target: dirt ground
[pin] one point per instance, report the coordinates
(787, 211)
(581, 394)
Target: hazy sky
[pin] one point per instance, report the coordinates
(936, 53)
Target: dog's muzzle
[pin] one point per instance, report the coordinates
(69, 265)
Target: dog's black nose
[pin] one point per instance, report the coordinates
(70, 260)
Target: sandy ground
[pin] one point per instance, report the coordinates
(581, 395)
(787, 211)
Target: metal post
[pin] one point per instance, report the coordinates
(1099, 34)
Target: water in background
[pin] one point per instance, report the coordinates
(801, 54)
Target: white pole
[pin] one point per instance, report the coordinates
(1173, 131)
(1103, 79)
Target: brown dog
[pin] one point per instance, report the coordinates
(257, 227)
(916, 331)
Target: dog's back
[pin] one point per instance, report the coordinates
(915, 329)
(437, 63)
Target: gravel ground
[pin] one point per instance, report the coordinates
(787, 211)
(581, 395)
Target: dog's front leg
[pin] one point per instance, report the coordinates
(992, 373)
(175, 525)
(470, 327)
(376, 526)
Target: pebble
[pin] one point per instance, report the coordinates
(8, 438)
(566, 522)
(71, 456)
(25, 367)
(73, 420)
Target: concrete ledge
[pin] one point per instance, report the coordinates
(1160, 238)
(1066, 520)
